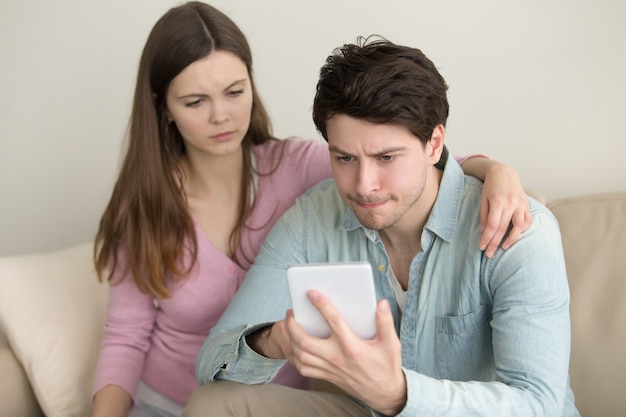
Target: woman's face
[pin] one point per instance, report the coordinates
(211, 102)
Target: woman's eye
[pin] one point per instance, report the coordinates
(235, 93)
(194, 103)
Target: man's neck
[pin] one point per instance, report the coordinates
(403, 240)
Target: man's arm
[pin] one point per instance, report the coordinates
(262, 299)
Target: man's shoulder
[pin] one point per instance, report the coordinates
(323, 189)
(323, 196)
(472, 194)
(320, 204)
(538, 209)
(473, 189)
(312, 226)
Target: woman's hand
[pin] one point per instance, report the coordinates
(503, 205)
(503, 208)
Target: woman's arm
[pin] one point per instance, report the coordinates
(130, 318)
(111, 401)
(503, 203)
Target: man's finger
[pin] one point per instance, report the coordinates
(384, 321)
(335, 321)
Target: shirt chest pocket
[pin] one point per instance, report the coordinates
(463, 346)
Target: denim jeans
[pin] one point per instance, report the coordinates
(149, 403)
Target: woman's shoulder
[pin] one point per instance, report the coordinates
(291, 151)
(296, 161)
(291, 145)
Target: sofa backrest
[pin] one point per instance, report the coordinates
(593, 230)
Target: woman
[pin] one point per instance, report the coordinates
(202, 182)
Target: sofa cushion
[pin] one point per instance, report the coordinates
(594, 240)
(52, 312)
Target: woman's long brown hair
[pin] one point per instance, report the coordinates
(147, 220)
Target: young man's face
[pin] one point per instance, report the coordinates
(383, 172)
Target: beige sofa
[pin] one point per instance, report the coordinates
(51, 314)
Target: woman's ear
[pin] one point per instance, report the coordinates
(434, 147)
(167, 111)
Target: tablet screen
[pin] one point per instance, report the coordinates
(348, 286)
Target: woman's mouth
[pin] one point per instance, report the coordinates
(223, 137)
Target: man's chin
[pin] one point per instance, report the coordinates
(372, 222)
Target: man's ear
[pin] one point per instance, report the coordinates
(434, 147)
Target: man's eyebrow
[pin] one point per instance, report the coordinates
(383, 152)
(335, 149)
(229, 86)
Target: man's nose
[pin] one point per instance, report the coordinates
(368, 178)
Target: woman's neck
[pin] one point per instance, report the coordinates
(213, 176)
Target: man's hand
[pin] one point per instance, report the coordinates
(370, 370)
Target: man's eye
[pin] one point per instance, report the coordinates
(345, 158)
(387, 158)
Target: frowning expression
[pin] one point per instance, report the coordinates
(383, 172)
(210, 102)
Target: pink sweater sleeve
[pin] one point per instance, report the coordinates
(460, 159)
(130, 317)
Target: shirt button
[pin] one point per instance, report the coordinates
(381, 267)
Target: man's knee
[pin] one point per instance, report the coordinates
(219, 398)
(230, 399)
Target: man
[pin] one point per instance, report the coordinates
(459, 334)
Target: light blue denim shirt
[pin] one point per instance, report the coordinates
(480, 337)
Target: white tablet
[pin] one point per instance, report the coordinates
(348, 286)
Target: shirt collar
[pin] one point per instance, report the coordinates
(444, 216)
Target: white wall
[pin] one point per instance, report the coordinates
(537, 84)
